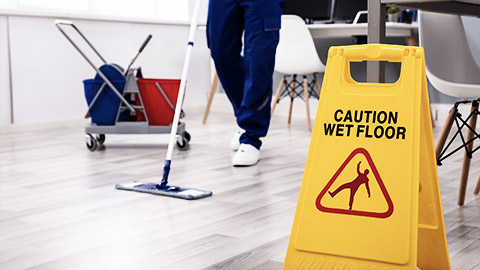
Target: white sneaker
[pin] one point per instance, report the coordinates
(247, 155)
(235, 142)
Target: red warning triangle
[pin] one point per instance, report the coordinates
(353, 186)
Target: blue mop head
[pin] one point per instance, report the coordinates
(171, 191)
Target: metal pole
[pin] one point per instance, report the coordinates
(376, 34)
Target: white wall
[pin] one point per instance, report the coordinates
(47, 72)
(4, 75)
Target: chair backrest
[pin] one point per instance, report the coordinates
(447, 53)
(296, 52)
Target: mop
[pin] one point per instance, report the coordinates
(164, 188)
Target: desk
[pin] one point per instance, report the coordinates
(360, 29)
(376, 19)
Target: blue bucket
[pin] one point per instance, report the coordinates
(104, 111)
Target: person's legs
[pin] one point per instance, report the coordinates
(247, 80)
(262, 25)
(224, 35)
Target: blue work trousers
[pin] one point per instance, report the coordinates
(247, 78)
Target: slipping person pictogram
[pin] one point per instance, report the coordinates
(354, 185)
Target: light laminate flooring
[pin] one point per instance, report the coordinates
(59, 208)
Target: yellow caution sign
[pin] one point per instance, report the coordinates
(370, 198)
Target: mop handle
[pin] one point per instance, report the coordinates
(181, 91)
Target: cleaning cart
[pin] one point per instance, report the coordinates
(122, 102)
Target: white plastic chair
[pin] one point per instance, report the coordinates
(452, 70)
(297, 55)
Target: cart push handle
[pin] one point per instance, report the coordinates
(59, 24)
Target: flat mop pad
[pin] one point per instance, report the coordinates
(172, 191)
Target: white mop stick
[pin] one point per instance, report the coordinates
(181, 92)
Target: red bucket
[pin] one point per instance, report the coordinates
(158, 110)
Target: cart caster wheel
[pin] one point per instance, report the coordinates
(91, 142)
(101, 138)
(182, 146)
(187, 136)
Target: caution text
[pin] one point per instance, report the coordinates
(365, 124)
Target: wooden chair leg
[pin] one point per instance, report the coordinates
(317, 84)
(431, 117)
(477, 187)
(305, 90)
(466, 158)
(292, 96)
(279, 92)
(411, 40)
(445, 131)
(210, 98)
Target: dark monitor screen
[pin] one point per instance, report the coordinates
(308, 9)
(346, 10)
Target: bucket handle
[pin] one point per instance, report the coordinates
(165, 96)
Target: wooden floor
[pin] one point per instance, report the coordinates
(59, 208)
